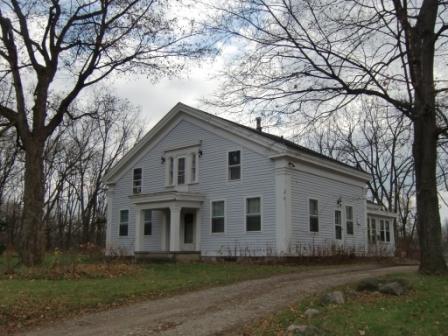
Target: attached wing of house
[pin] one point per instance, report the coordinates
(200, 183)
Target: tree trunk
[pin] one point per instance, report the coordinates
(32, 242)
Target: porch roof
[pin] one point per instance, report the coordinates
(166, 199)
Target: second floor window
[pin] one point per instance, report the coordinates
(137, 181)
(181, 170)
(194, 173)
(171, 171)
(234, 162)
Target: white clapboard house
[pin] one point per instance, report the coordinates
(203, 185)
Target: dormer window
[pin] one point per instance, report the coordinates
(234, 162)
(137, 181)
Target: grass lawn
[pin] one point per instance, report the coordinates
(26, 300)
(423, 311)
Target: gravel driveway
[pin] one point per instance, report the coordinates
(214, 311)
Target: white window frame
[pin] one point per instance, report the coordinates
(133, 180)
(340, 224)
(211, 216)
(185, 170)
(227, 165)
(144, 222)
(119, 222)
(346, 219)
(309, 214)
(245, 213)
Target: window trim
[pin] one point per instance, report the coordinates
(245, 213)
(211, 216)
(340, 224)
(141, 180)
(227, 165)
(309, 215)
(119, 222)
(144, 223)
(346, 220)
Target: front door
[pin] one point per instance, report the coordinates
(188, 232)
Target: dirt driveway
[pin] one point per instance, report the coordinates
(214, 311)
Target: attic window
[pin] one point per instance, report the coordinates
(234, 160)
(137, 181)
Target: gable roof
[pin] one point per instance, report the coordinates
(228, 125)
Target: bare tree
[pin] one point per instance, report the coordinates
(318, 56)
(52, 50)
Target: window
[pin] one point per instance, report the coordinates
(372, 238)
(218, 216)
(147, 222)
(387, 231)
(349, 219)
(253, 214)
(382, 231)
(234, 161)
(338, 224)
(181, 170)
(194, 176)
(314, 215)
(124, 222)
(137, 181)
(171, 171)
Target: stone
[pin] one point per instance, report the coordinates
(311, 312)
(369, 284)
(336, 297)
(393, 288)
(303, 330)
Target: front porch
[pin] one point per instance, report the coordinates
(180, 222)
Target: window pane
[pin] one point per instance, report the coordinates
(314, 224)
(218, 225)
(148, 229)
(137, 173)
(253, 223)
(124, 216)
(235, 173)
(349, 212)
(339, 232)
(123, 229)
(147, 215)
(234, 158)
(193, 167)
(218, 209)
(313, 207)
(171, 172)
(337, 217)
(350, 227)
(253, 205)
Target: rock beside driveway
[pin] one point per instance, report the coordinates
(311, 312)
(388, 286)
(369, 284)
(336, 297)
(303, 330)
(393, 288)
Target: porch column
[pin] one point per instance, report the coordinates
(175, 228)
(163, 230)
(138, 247)
(198, 229)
